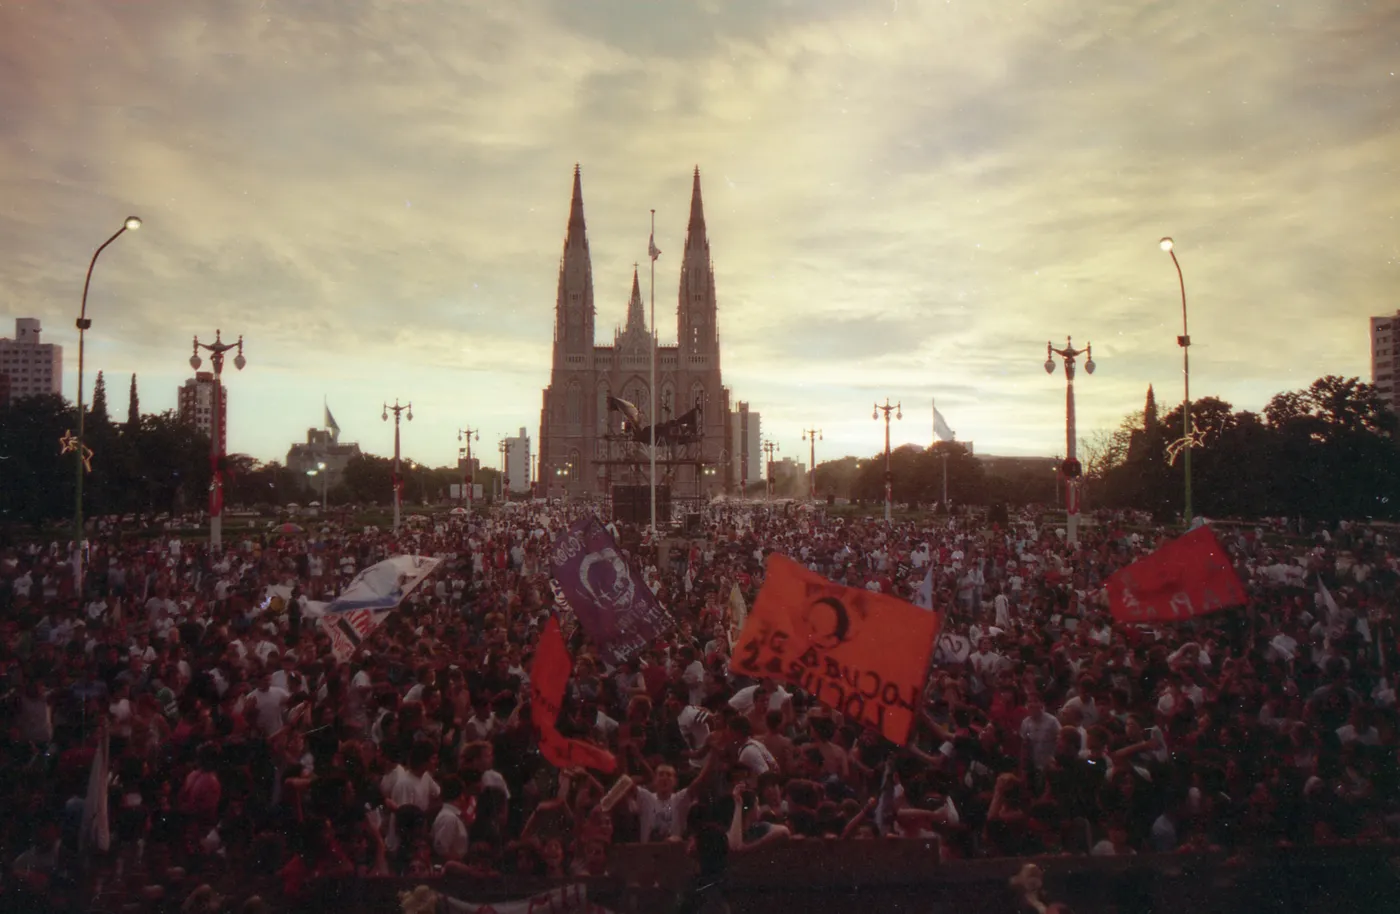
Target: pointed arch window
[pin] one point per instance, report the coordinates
(573, 407)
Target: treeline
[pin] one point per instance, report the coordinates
(154, 464)
(1326, 452)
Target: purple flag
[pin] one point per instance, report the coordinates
(611, 601)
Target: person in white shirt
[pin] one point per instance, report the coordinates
(1039, 731)
(410, 786)
(269, 703)
(753, 755)
(450, 828)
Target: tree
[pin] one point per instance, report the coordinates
(36, 483)
(133, 407)
(99, 400)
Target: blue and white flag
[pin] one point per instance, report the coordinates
(384, 585)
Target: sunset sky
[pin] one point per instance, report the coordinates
(904, 199)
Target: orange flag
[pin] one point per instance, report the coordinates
(861, 653)
(549, 674)
(1189, 576)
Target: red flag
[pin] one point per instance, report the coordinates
(549, 673)
(571, 753)
(1187, 577)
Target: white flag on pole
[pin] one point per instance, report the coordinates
(652, 249)
(924, 598)
(96, 833)
(940, 427)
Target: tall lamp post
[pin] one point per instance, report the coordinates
(216, 351)
(1071, 469)
(466, 434)
(1184, 341)
(396, 409)
(812, 435)
(768, 448)
(889, 474)
(132, 223)
(504, 448)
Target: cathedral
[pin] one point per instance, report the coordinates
(596, 408)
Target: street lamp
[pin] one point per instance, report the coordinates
(407, 411)
(769, 447)
(889, 475)
(467, 434)
(1070, 469)
(1184, 341)
(216, 444)
(320, 471)
(813, 435)
(504, 447)
(131, 224)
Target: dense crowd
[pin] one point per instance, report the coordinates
(243, 753)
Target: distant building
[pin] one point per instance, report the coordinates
(745, 436)
(789, 477)
(31, 367)
(4, 390)
(518, 462)
(322, 447)
(196, 406)
(1385, 358)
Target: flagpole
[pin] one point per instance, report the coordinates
(653, 373)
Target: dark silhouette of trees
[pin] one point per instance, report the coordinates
(1329, 451)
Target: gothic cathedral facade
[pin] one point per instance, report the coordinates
(580, 451)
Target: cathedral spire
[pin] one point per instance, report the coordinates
(695, 232)
(636, 317)
(1149, 411)
(576, 223)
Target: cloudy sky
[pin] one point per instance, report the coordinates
(905, 198)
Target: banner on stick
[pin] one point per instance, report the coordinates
(861, 653)
(613, 604)
(1189, 576)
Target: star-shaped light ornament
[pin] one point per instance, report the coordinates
(1195, 439)
(69, 441)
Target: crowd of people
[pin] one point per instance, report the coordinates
(245, 756)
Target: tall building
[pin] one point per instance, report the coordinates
(1385, 358)
(196, 406)
(32, 367)
(518, 462)
(746, 437)
(582, 450)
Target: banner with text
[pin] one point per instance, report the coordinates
(861, 653)
(613, 604)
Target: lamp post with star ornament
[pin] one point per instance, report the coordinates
(1070, 469)
(889, 474)
(83, 455)
(1184, 341)
(216, 351)
(812, 436)
(397, 479)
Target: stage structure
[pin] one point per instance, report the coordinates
(595, 429)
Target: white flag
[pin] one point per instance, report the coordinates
(96, 833)
(924, 598)
(652, 249)
(940, 427)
